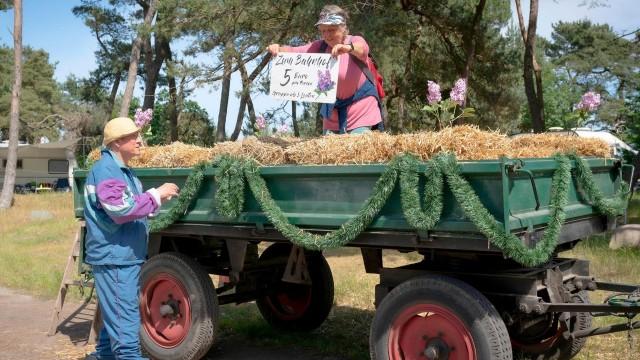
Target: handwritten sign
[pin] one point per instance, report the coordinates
(304, 77)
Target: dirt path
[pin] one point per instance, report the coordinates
(24, 322)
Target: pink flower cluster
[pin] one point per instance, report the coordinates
(261, 122)
(433, 92)
(590, 102)
(283, 128)
(458, 92)
(143, 118)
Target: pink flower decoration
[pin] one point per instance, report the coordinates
(143, 118)
(433, 92)
(458, 92)
(590, 102)
(261, 122)
(283, 128)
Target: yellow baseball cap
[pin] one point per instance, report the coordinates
(118, 128)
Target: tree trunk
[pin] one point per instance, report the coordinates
(114, 93)
(133, 64)
(252, 113)
(224, 94)
(174, 109)
(319, 122)
(636, 174)
(469, 39)
(6, 197)
(153, 61)
(294, 120)
(246, 94)
(401, 113)
(532, 87)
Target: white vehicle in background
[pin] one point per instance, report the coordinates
(617, 145)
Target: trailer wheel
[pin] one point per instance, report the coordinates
(178, 308)
(295, 307)
(437, 317)
(555, 346)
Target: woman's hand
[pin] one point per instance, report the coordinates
(340, 49)
(274, 49)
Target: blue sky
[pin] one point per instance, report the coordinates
(50, 25)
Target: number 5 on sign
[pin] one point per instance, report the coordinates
(304, 77)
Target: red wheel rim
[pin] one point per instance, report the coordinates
(290, 301)
(420, 328)
(166, 310)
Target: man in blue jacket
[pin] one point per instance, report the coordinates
(116, 210)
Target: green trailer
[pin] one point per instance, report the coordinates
(489, 283)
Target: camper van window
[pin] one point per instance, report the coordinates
(18, 165)
(58, 166)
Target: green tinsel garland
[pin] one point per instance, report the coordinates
(187, 193)
(232, 173)
(409, 177)
(609, 207)
(230, 186)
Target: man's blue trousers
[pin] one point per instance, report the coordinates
(118, 288)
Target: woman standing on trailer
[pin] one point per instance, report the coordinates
(357, 109)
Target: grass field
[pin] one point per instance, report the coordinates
(34, 248)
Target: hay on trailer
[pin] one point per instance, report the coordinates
(545, 145)
(262, 152)
(466, 142)
(372, 147)
(175, 155)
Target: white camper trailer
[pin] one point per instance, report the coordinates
(41, 167)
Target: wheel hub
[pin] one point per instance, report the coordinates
(437, 349)
(170, 308)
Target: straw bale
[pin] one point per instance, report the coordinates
(174, 155)
(262, 152)
(466, 142)
(545, 145)
(282, 141)
(372, 147)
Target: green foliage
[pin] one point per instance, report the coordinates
(40, 94)
(446, 112)
(594, 53)
(194, 126)
(6, 5)
(632, 122)
(587, 56)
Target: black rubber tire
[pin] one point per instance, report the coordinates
(204, 307)
(565, 349)
(321, 297)
(481, 319)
